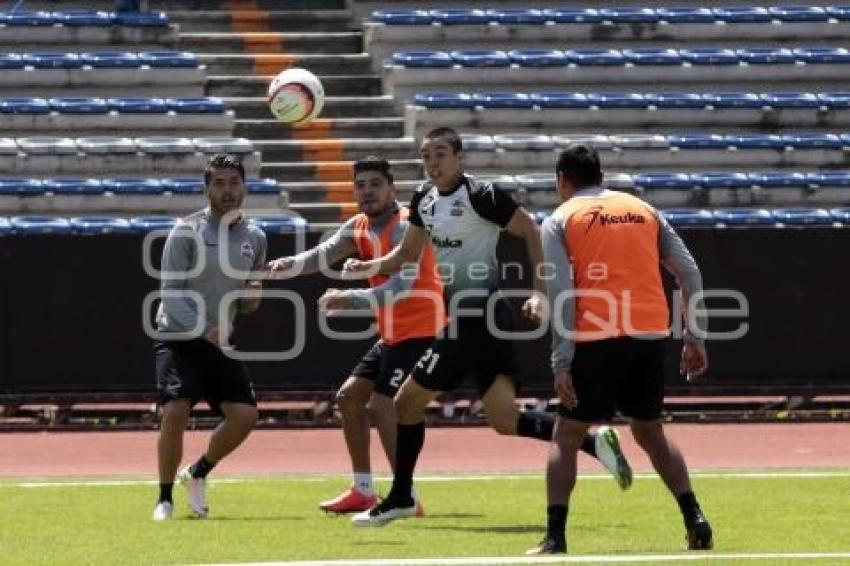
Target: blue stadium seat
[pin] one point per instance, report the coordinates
(820, 55)
(111, 60)
(183, 185)
(720, 180)
(452, 17)
(697, 141)
(73, 186)
(813, 140)
(481, 58)
(595, 57)
(560, 99)
(597, 141)
(96, 225)
(689, 217)
(24, 106)
(675, 100)
(799, 13)
(22, 187)
(573, 15)
(791, 100)
(22, 18)
(161, 145)
(709, 56)
(141, 19)
(754, 141)
(281, 224)
(616, 100)
(30, 225)
(766, 55)
(652, 56)
(262, 186)
(840, 215)
(88, 18)
(803, 216)
(11, 61)
(733, 99)
(133, 186)
(503, 100)
(138, 105)
(744, 216)
(47, 60)
(778, 179)
(200, 105)
(742, 15)
(444, 100)
(840, 13)
(5, 227)
(538, 57)
(829, 179)
(845, 140)
(629, 15)
(418, 59)
(835, 99)
(79, 105)
(168, 59)
(686, 15)
(537, 181)
(660, 180)
(510, 16)
(145, 224)
(221, 144)
(401, 17)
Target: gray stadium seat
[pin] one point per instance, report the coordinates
(106, 144)
(47, 145)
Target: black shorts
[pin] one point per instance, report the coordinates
(389, 366)
(623, 373)
(474, 352)
(195, 370)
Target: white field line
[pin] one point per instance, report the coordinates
(588, 559)
(439, 478)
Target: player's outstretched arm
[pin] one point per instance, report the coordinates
(322, 256)
(408, 251)
(523, 226)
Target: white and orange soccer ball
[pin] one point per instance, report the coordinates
(296, 96)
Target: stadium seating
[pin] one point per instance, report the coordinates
(102, 225)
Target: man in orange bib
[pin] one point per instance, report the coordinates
(609, 324)
(409, 310)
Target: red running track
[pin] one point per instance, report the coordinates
(447, 450)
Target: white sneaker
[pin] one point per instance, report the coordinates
(197, 490)
(163, 511)
(609, 454)
(382, 514)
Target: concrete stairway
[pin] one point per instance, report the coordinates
(244, 43)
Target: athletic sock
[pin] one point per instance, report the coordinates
(201, 468)
(588, 444)
(409, 442)
(535, 424)
(165, 492)
(363, 483)
(556, 522)
(688, 505)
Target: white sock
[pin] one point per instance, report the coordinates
(363, 483)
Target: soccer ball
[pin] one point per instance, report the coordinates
(296, 96)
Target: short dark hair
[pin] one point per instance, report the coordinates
(373, 163)
(223, 161)
(448, 134)
(579, 164)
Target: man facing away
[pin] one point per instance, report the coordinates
(610, 322)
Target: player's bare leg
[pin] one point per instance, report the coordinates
(175, 417)
(382, 414)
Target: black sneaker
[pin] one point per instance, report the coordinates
(549, 545)
(699, 534)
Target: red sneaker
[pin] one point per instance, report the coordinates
(352, 501)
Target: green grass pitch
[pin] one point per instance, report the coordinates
(276, 519)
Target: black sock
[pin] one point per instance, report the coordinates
(535, 424)
(165, 492)
(409, 441)
(688, 504)
(201, 468)
(588, 445)
(556, 522)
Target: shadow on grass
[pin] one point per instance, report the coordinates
(377, 543)
(249, 518)
(502, 529)
(454, 516)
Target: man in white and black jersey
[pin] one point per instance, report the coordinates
(463, 218)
